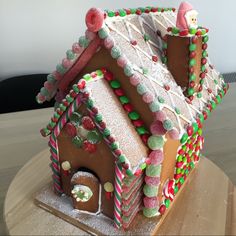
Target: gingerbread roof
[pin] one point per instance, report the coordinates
(135, 38)
(109, 115)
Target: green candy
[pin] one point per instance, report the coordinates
(195, 127)
(164, 60)
(184, 138)
(154, 106)
(215, 81)
(146, 37)
(161, 99)
(62, 107)
(167, 202)
(70, 55)
(122, 13)
(178, 170)
(51, 78)
(167, 124)
(190, 91)
(56, 115)
(122, 158)
(177, 110)
(192, 165)
(184, 160)
(201, 81)
(218, 98)
(98, 117)
(102, 33)
(133, 115)
(143, 166)
(153, 170)
(61, 69)
(128, 70)
(69, 99)
(200, 132)
(52, 124)
(205, 38)
(192, 47)
(115, 84)
(204, 53)
(77, 141)
(179, 158)
(164, 45)
(192, 77)
(75, 88)
(141, 130)
(155, 142)
(192, 62)
(133, 10)
(87, 77)
(106, 132)
(192, 31)
(203, 68)
(114, 146)
(99, 73)
(150, 212)
(145, 71)
(83, 42)
(176, 189)
(150, 191)
(181, 180)
(141, 89)
(213, 104)
(111, 13)
(129, 172)
(115, 52)
(186, 171)
(90, 103)
(175, 30)
(124, 99)
(76, 117)
(199, 95)
(44, 92)
(93, 137)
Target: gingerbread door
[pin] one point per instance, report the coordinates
(85, 192)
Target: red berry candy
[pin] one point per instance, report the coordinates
(137, 123)
(138, 172)
(128, 107)
(89, 147)
(194, 39)
(119, 92)
(204, 61)
(204, 46)
(109, 76)
(190, 130)
(192, 54)
(81, 84)
(162, 209)
(192, 84)
(166, 87)
(71, 129)
(144, 138)
(102, 124)
(155, 58)
(88, 123)
(133, 42)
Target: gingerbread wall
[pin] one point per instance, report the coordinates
(101, 163)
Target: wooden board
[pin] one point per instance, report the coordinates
(201, 210)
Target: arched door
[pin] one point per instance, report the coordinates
(86, 192)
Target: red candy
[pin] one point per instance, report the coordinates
(128, 107)
(162, 209)
(138, 123)
(190, 130)
(108, 76)
(119, 92)
(88, 123)
(144, 138)
(89, 147)
(71, 130)
(155, 58)
(192, 54)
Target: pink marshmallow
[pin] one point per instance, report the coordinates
(66, 63)
(94, 19)
(155, 181)
(134, 80)
(90, 35)
(148, 98)
(160, 115)
(108, 42)
(76, 48)
(121, 61)
(174, 134)
(150, 202)
(156, 157)
(49, 86)
(157, 128)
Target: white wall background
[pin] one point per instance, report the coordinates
(35, 34)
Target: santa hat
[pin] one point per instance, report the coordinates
(183, 9)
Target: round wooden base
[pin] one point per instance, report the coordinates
(206, 206)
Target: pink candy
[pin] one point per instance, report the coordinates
(76, 48)
(174, 134)
(160, 115)
(148, 98)
(90, 35)
(108, 42)
(134, 80)
(49, 86)
(57, 75)
(121, 61)
(155, 181)
(151, 202)
(156, 157)
(157, 128)
(66, 63)
(41, 98)
(94, 19)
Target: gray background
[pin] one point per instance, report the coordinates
(35, 34)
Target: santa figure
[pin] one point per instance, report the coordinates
(186, 17)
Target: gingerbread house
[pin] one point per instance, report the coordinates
(131, 97)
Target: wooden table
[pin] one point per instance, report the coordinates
(205, 207)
